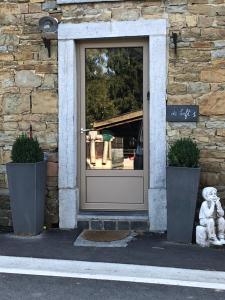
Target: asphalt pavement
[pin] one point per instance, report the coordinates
(23, 287)
(146, 249)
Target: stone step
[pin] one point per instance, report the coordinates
(113, 221)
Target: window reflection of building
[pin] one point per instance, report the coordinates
(118, 143)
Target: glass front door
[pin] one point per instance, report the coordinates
(113, 124)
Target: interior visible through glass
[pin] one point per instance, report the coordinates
(114, 108)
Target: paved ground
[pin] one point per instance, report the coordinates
(147, 249)
(23, 287)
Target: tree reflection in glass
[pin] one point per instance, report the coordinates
(114, 107)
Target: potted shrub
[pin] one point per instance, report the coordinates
(27, 179)
(183, 175)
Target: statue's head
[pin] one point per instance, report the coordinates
(209, 193)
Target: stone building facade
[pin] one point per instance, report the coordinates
(29, 78)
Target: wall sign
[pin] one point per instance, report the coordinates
(182, 113)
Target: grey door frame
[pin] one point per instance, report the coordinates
(68, 34)
(83, 174)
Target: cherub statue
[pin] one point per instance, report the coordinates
(211, 216)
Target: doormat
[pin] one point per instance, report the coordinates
(104, 238)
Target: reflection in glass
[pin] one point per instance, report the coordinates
(114, 108)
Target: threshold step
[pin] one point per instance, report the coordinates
(107, 221)
(113, 216)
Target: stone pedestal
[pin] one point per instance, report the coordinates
(201, 236)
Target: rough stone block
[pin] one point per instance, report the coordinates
(203, 9)
(9, 8)
(194, 55)
(23, 8)
(37, 1)
(219, 44)
(6, 80)
(180, 99)
(151, 10)
(123, 225)
(52, 169)
(198, 88)
(27, 78)
(96, 225)
(6, 57)
(205, 22)
(191, 21)
(46, 68)
(4, 203)
(24, 126)
(176, 9)
(10, 126)
(217, 154)
(110, 225)
(220, 132)
(213, 33)
(34, 7)
(16, 103)
(215, 124)
(202, 44)
(44, 102)
(139, 225)
(10, 14)
(5, 224)
(9, 39)
(209, 179)
(120, 14)
(218, 53)
(52, 182)
(3, 48)
(177, 88)
(49, 5)
(49, 82)
(214, 75)
(83, 225)
(212, 104)
(53, 157)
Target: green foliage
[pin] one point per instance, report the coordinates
(114, 82)
(184, 153)
(26, 150)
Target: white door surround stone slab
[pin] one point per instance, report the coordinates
(68, 34)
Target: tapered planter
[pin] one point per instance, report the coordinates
(182, 193)
(27, 182)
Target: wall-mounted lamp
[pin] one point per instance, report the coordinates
(48, 26)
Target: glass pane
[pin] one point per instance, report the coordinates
(114, 108)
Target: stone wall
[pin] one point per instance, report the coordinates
(28, 78)
(28, 93)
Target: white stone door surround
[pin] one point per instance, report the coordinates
(68, 34)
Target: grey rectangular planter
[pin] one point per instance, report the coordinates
(27, 182)
(182, 193)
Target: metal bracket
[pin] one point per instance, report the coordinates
(47, 37)
(47, 44)
(175, 37)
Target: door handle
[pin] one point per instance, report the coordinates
(83, 130)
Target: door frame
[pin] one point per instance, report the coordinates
(81, 179)
(68, 35)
